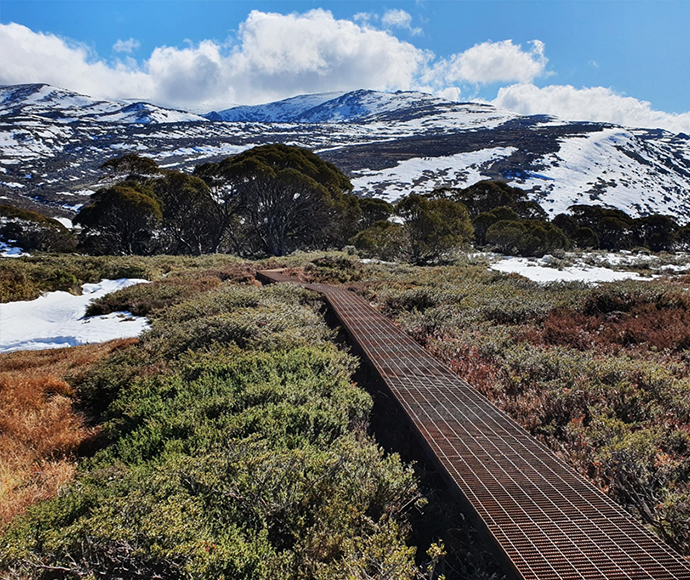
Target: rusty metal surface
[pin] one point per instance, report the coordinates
(550, 523)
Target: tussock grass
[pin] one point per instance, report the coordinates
(234, 444)
(40, 430)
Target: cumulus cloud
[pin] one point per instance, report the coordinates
(494, 62)
(273, 56)
(317, 52)
(396, 18)
(128, 46)
(588, 104)
(449, 93)
(34, 57)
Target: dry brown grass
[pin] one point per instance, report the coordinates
(40, 431)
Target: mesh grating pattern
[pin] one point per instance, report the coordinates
(550, 523)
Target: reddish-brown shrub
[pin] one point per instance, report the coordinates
(567, 327)
(40, 432)
(645, 326)
(667, 328)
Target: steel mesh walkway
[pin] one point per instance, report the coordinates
(549, 522)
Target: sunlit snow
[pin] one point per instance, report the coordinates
(409, 176)
(609, 167)
(56, 320)
(539, 270)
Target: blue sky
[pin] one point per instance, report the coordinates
(623, 61)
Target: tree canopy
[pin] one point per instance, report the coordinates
(131, 166)
(526, 237)
(435, 226)
(383, 239)
(486, 195)
(285, 196)
(191, 219)
(121, 220)
(31, 230)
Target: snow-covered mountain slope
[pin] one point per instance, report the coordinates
(364, 106)
(285, 111)
(52, 142)
(147, 113)
(638, 171)
(60, 105)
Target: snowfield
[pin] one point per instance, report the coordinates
(592, 267)
(56, 319)
(610, 167)
(411, 176)
(541, 271)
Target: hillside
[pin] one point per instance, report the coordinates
(238, 443)
(52, 142)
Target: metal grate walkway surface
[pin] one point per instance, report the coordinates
(548, 521)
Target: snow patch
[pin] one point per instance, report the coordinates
(538, 270)
(412, 175)
(56, 319)
(65, 222)
(7, 251)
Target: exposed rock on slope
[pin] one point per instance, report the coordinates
(52, 142)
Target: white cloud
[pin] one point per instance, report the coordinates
(588, 104)
(396, 18)
(494, 62)
(364, 17)
(34, 57)
(449, 93)
(274, 56)
(127, 46)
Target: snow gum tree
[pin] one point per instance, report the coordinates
(190, 215)
(434, 226)
(131, 166)
(278, 198)
(120, 220)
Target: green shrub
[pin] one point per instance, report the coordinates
(486, 219)
(526, 237)
(27, 278)
(144, 300)
(383, 240)
(434, 227)
(334, 268)
(235, 446)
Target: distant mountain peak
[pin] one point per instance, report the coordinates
(52, 142)
(361, 105)
(65, 106)
(283, 111)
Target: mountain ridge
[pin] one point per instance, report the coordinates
(361, 105)
(62, 105)
(52, 142)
